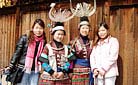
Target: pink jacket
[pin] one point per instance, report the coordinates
(104, 56)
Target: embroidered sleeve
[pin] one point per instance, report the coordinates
(43, 58)
(66, 67)
(45, 61)
(47, 68)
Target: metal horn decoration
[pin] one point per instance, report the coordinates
(84, 9)
(60, 15)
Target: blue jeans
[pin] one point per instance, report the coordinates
(30, 79)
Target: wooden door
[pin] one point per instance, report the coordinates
(124, 25)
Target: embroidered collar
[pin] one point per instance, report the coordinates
(81, 41)
(54, 47)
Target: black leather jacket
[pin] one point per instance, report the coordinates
(18, 58)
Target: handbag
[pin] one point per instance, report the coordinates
(15, 75)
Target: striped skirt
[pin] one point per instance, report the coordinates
(46, 79)
(80, 76)
(56, 82)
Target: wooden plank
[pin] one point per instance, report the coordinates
(106, 12)
(5, 37)
(67, 37)
(25, 22)
(115, 30)
(73, 24)
(3, 34)
(1, 42)
(8, 39)
(135, 67)
(14, 33)
(33, 16)
(122, 47)
(99, 15)
(122, 26)
(12, 36)
(43, 16)
(129, 45)
(93, 24)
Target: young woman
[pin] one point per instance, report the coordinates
(56, 58)
(28, 49)
(104, 56)
(82, 46)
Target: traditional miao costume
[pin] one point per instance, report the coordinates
(81, 69)
(57, 59)
(56, 56)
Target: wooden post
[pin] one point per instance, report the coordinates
(18, 17)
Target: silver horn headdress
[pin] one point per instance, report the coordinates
(61, 15)
(84, 9)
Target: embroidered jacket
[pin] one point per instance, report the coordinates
(56, 59)
(82, 51)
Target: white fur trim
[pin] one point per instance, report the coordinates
(58, 28)
(84, 23)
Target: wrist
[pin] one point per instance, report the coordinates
(51, 72)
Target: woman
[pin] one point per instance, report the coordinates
(56, 58)
(82, 46)
(104, 56)
(28, 49)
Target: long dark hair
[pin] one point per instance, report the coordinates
(97, 38)
(30, 35)
(40, 22)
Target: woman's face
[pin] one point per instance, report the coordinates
(102, 32)
(84, 30)
(38, 30)
(59, 35)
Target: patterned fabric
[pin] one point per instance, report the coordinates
(81, 69)
(83, 50)
(46, 76)
(58, 61)
(49, 82)
(57, 57)
(80, 76)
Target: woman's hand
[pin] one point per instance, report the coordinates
(102, 72)
(60, 75)
(55, 74)
(95, 72)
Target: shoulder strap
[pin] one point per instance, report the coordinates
(66, 50)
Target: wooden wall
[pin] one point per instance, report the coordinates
(122, 16)
(7, 38)
(123, 23)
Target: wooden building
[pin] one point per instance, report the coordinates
(121, 15)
